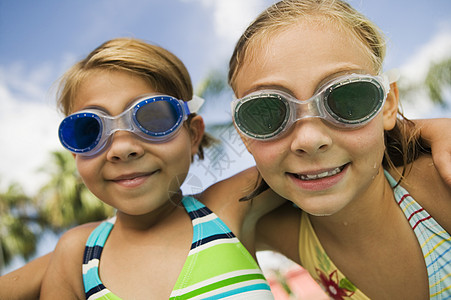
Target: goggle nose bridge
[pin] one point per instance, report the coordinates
(121, 122)
(303, 109)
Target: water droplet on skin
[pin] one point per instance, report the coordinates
(375, 167)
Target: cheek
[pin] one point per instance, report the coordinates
(176, 154)
(177, 170)
(368, 143)
(267, 155)
(87, 168)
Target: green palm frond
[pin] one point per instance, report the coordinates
(438, 77)
(437, 81)
(19, 228)
(65, 201)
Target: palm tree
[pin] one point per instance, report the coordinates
(19, 228)
(213, 85)
(218, 94)
(65, 201)
(438, 77)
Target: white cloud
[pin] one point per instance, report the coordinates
(231, 17)
(24, 83)
(437, 49)
(28, 122)
(414, 72)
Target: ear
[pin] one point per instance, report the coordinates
(196, 131)
(390, 109)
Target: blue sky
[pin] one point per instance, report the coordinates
(39, 40)
(51, 34)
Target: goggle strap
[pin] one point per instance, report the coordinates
(393, 75)
(388, 78)
(194, 104)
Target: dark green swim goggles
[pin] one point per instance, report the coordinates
(349, 101)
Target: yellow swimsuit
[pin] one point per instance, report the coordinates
(435, 243)
(315, 260)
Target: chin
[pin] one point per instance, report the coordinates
(320, 207)
(320, 214)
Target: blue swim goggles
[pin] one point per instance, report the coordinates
(348, 101)
(154, 118)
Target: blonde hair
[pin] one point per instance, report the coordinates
(288, 12)
(163, 71)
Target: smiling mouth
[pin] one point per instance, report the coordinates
(131, 177)
(325, 174)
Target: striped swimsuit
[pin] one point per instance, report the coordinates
(435, 244)
(218, 266)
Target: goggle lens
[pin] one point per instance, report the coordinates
(158, 117)
(262, 116)
(354, 101)
(80, 132)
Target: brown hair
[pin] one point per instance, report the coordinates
(160, 68)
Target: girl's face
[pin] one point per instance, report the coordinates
(132, 175)
(317, 166)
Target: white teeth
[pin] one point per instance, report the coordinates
(320, 175)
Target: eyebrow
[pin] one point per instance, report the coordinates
(105, 110)
(268, 87)
(324, 80)
(338, 73)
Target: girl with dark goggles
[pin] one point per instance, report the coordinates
(348, 101)
(154, 118)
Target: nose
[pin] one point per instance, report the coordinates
(310, 136)
(125, 146)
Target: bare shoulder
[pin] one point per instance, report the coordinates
(72, 242)
(427, 187)
(238, 185)
(224, 197)
(225, 194)
(76, 236)
(64, 273)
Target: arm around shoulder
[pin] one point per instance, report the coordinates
(241, 216)
(229, 194)
(437, 133)
(63, 278)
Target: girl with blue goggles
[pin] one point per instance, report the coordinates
(154, 118)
